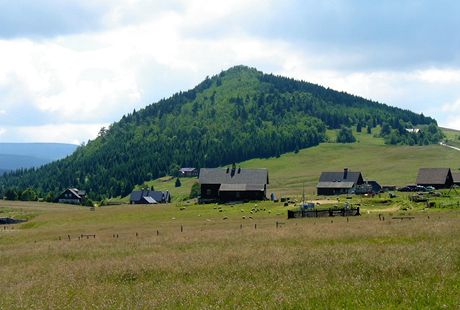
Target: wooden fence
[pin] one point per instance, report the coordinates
(323, 213)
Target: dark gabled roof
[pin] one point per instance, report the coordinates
(75, 192)
(351, 176)
(456, 177)
(236, 176)
(150, 200)
(335, 185)
(187, 169)
(158, 196)
(241, 187)
(433, 176)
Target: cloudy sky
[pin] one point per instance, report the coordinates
(67, 68)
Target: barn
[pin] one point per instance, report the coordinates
(436, 177)
(147, 196)
(188, 172)
(456, 177)
(337, 183)
(233, 184)
(72, 196)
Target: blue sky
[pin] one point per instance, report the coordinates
(67, 68)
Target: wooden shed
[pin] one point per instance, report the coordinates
(233, 184)
(436, 177)
(337, 183)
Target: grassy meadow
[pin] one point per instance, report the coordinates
(188, 256)
(228, 256)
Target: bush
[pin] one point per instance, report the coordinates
(11, 194)
(178, 183)
(195, 191)
(29, 195)
(345, 135)
(88, 203)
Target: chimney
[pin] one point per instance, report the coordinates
(233, 169)
(345, 173)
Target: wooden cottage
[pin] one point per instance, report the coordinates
(233, 184)
(368, 187)
(456, 177)
(436, 177)
(188, 172)
(147, 196)
(72, 196)
(337, 183)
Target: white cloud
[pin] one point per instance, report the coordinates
(2, 112)
(453, 121)
(2, 131)
(437, 75)
(151, 49)
(452, 106)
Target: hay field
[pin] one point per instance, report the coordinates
(217, 263)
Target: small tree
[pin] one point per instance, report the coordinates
(369, 129)
(50, 197)
(178, 183)
(345, 135)
(359, 127)
(386, 129)
(88, 203)
(195, 191)
(29, 195)
(174, 170)
(11, 194)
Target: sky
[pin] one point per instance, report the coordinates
(68, 68)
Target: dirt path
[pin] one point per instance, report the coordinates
(449, 146)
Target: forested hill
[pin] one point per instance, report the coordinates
(236, 115)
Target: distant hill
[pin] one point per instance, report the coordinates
(236, 115)
(28, 155)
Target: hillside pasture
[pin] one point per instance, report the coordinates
(388, 164)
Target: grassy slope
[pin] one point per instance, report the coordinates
(452, 136)
(388, 164)
(396, 165)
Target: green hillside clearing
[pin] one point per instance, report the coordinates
(388, 164)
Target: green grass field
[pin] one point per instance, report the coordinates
(452, 137)
(221, 260)
(188, 256)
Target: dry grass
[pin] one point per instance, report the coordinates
(311, 263)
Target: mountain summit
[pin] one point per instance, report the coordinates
(238, 114)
